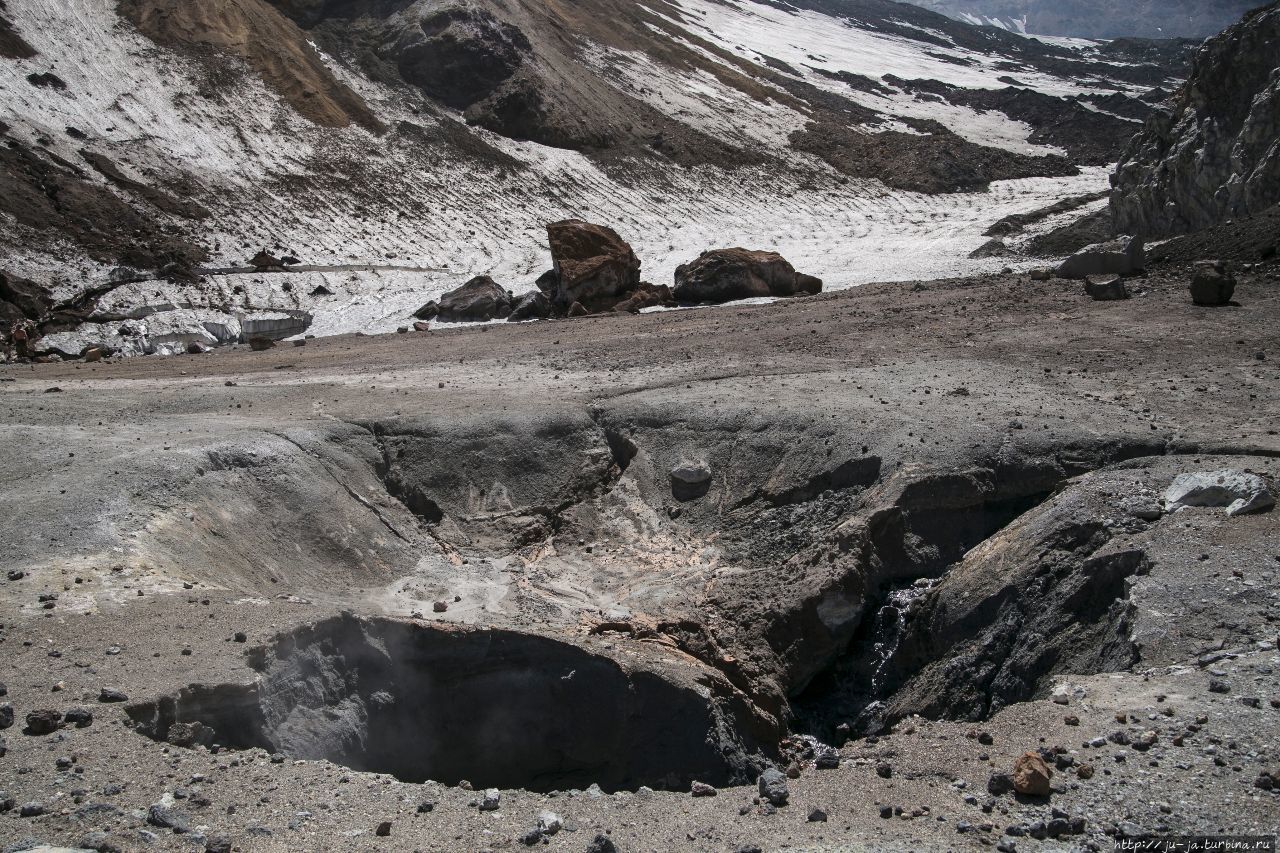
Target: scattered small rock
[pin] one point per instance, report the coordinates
(550, 823)
(168, 817)
(773, 787)
(1000, 783)
(218, 844)
(602, 844)
(79, 717)
(43, 722)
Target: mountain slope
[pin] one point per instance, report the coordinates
(397, 148)
(1099, 19)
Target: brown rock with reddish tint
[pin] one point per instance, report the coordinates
(477, 301)
(1031, 775)
(646, 295)
(592, 266)
(723, 275)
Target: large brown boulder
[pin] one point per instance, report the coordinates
(592, 266)
(1031, 775)
(723, 275)
(478, 300)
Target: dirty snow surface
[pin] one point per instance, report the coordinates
(386, 223)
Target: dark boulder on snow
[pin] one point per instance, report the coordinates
(531, 306)
(478, 300)
(592, 266)
(723, 275)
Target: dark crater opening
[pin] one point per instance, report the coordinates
(497, 708)
(951, 638)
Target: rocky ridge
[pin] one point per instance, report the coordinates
(1209, 153)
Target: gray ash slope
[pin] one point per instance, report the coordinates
(854, 559)
(522, 478)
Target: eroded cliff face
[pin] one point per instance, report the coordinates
(1213, 151)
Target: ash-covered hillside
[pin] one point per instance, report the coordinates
(1100, 19)
(151, 148)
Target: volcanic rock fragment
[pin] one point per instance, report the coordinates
(1121, 256)
(723, 275)
(1212, 284)
(1105, 288)
(591, 266)
(1240, 492)
(43, 722)
(773, 786)
(479, 300)
(1031, 775)
(531, 306)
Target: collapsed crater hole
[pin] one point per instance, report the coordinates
(497, 708)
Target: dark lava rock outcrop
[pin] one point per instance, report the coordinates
(935, 160)
(478, 300)
(12, 45)
(1210, 154)
(723, 275)
(459, 55)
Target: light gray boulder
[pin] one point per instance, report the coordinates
(1121, 256)
(1105, 288)
(1240, 492)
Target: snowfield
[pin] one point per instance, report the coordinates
(407, 220)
